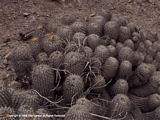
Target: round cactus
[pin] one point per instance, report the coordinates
(119, 106)
(43, 77)
(5, 96)
(126, 53)
(78, 27)
(93, 41)
(42, 58)
(111, 29)
(5, 113)
(79, 38)
(98, 84)
(101, 52)
(154, 115)
(56, 59)
(129, 43)
(112, 50)
(124, 34)
(120, 87)
(72, 88)
(125, 70)
(94, 28)
(98, 19)
(78, 112)
(65, 33)
(110, 68)
(147, 43)
(106, 14)
(74, 62)
(51, 43)
(35, 45)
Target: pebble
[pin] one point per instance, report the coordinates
(26, 14)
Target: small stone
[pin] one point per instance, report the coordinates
(93, 14)
(26, 14)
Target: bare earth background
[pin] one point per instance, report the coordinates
(21, 15)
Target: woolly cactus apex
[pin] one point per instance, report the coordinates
(112, 50)
(42, 58)
(126, 53)
(101, 52)
(140, 76)
(146, 104)
(5, 96)
(79, 38)
(129, 43)
(43, 77)
(5, 113)
(154, 115)
(98, 19)
(51, 43)
(56, 59)
(13, 86)
(119, 46)
(124, 34)
(42, 111)
(147, 43)
(78, 112)
(72, 88)
(98, 84)
(35, 45)
(119, 106)
(106, 14)
(120, 87)
(110, 68)
(94, 28)
(67, 19)
(156, 45)
(148, 59)
(65, 33)
(74, 62)
(111, 29)
(150, 88)
(151, 51)
(125, 70)
(93, 41)
(26, 110)
(78, 27)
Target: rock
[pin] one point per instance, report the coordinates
(26, 14)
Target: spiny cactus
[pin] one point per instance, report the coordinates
(78, 27)
(74, 62)
(51, 43)
(110, 68)
(5, 96)
(56, 59)
(93, 41)
(43, 77)
(111, 29)
(78, 112)
(94, 28)
(72, 88)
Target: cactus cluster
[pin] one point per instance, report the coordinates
(103, 68)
